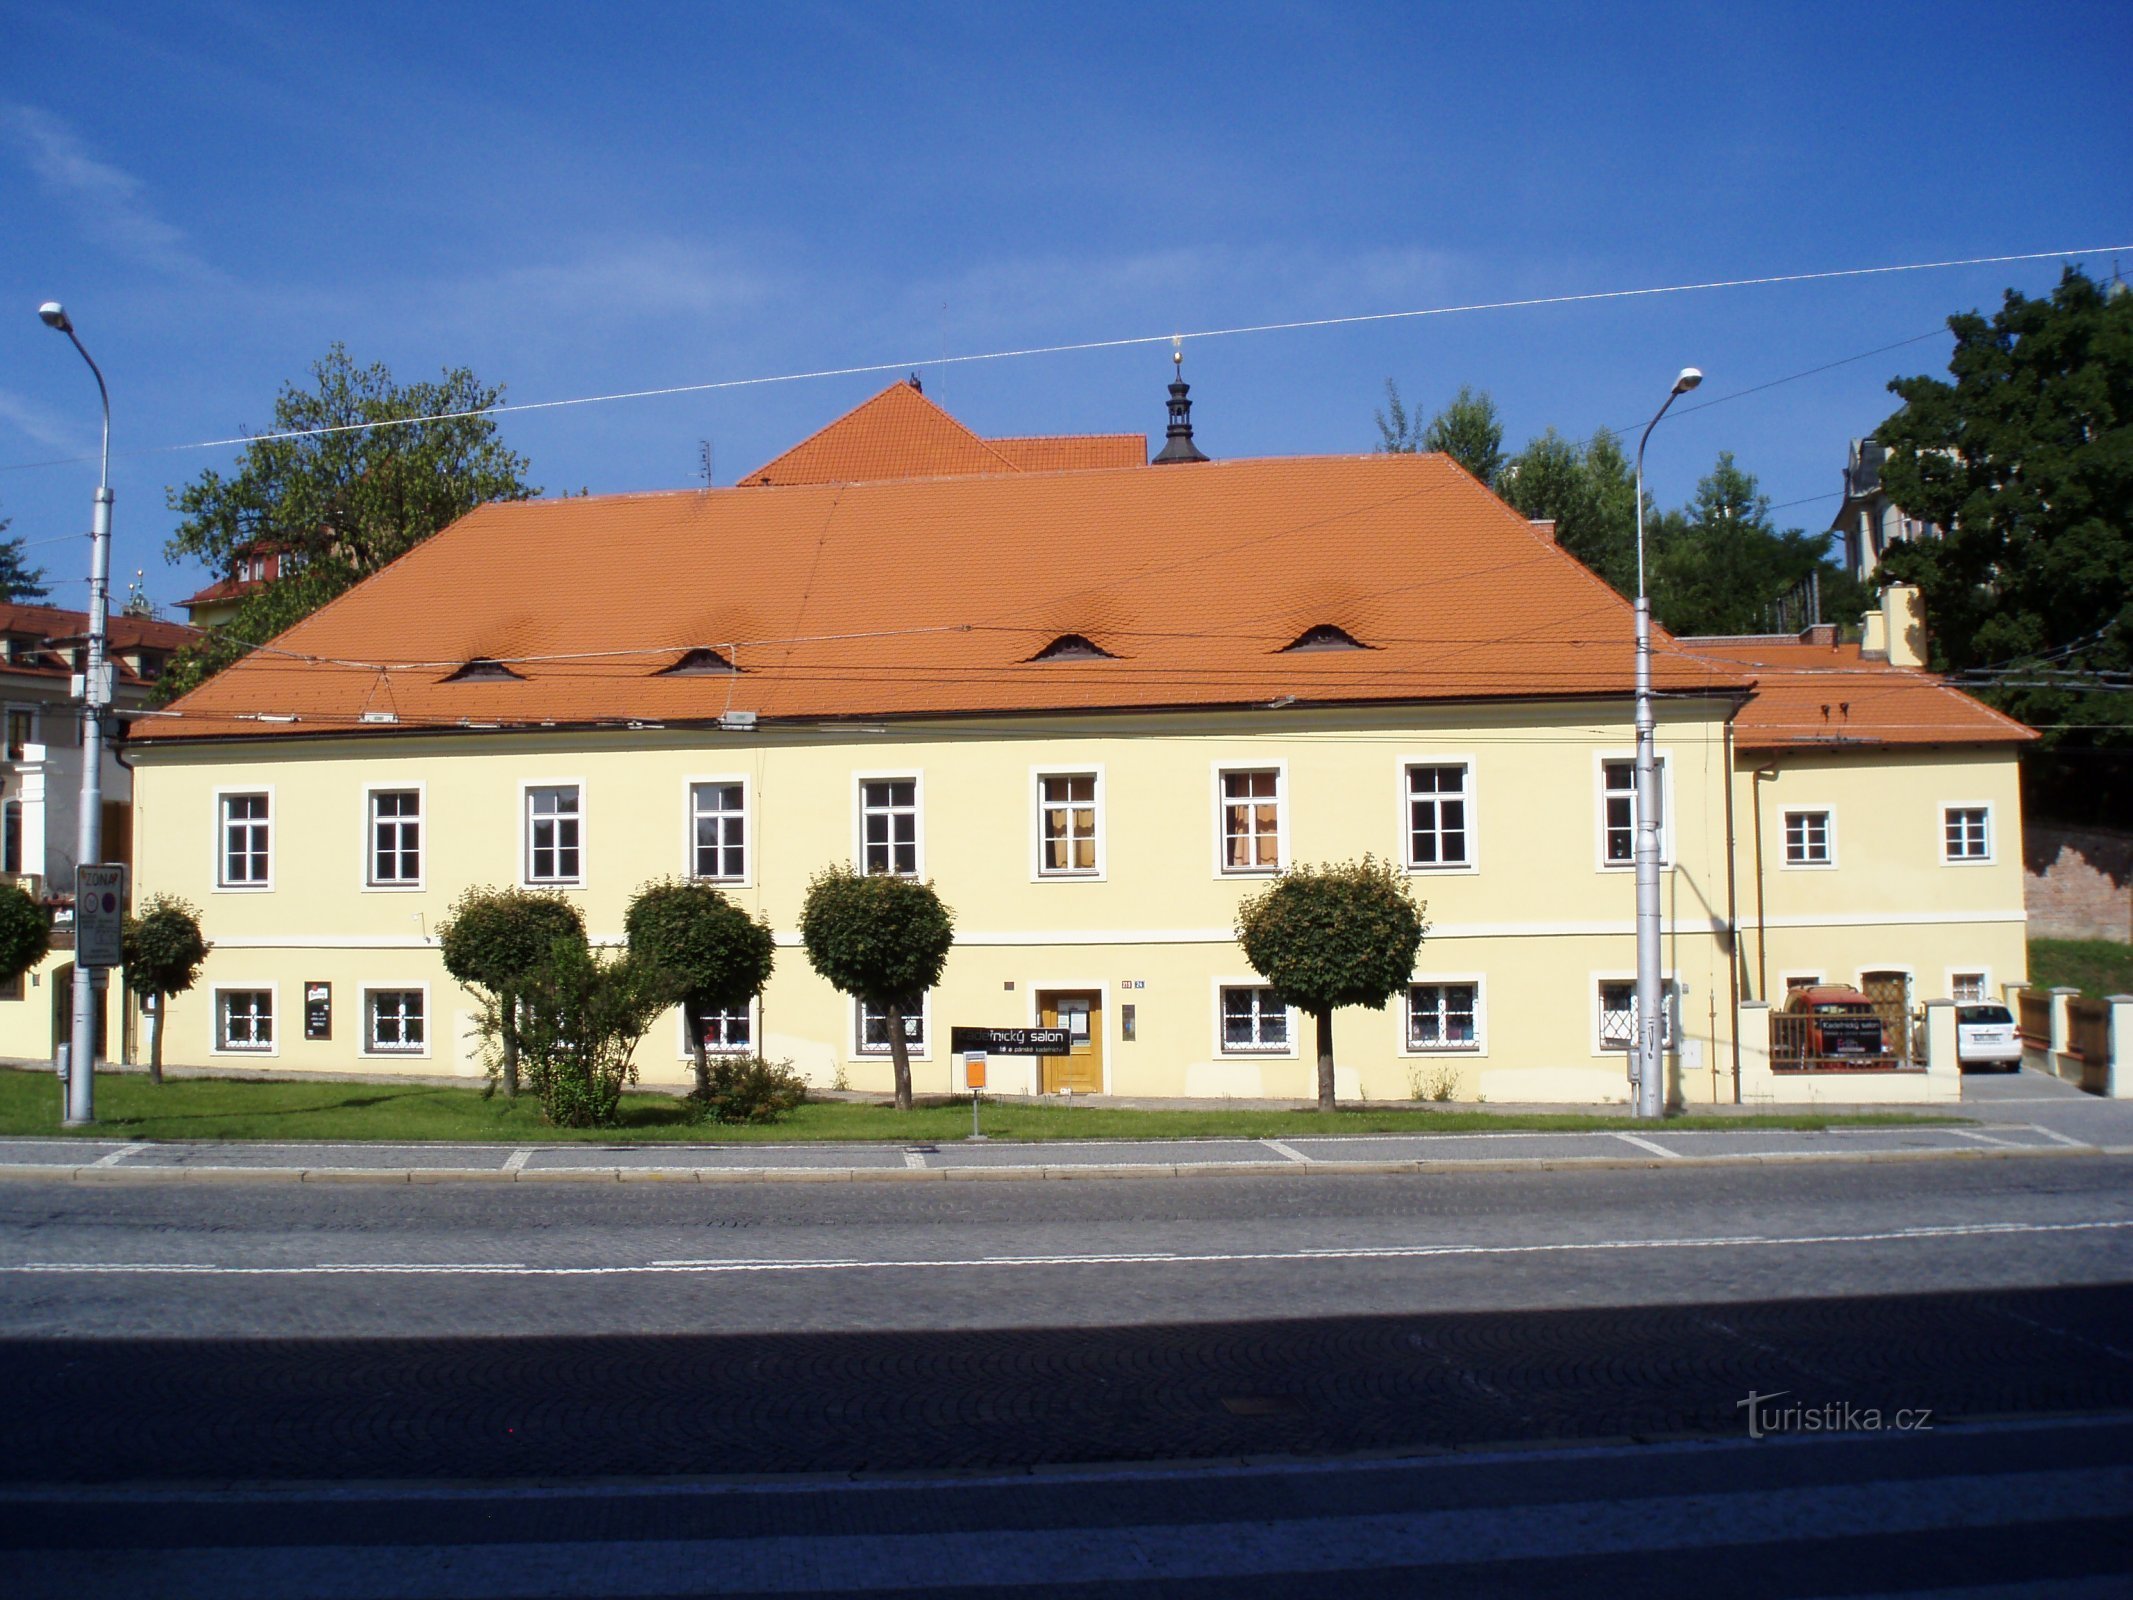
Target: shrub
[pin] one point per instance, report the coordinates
(25, 932)
(750, 1089)
(579, 1019)
(492, 940)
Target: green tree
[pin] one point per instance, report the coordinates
(579, 1018)
(2025, 460)
(715, 955)
(339, 505)
(25, 932)
(20, 583)
(883, 940)
(1324, 937)
(164, 950)
(495, 940)
(1468, 430)
(1719, 565)
(1589, 492)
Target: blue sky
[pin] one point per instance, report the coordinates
(575, 200)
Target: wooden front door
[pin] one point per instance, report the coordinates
(1081, 1013)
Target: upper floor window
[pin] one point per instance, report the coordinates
(888, 826)
(1251, 820)
(1437, 803)
(1807, 836)
(1440, 1016)
(1253, 1019)
(1967, 833)
(1618, 805)
(246, 858)
(718, 840)
(396, 838)
(554, 820)
(10, 836)
(21, 731)
(1067, 828)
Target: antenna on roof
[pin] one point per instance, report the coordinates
(703, 460)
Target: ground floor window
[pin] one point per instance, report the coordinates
(1618, 1014)
(874, 1028)
(1440, 1016)
(393, 1020)
(1253, 1019)
(725, 1032)
(244, 1019)
(1968, 987)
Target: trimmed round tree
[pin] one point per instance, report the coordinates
(493, 940)
(164, 950)
(715, 956)
(25, 932)
(883, 940)
(1344, 934)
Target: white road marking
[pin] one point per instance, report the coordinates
(2058, 1137)
(1975, 1230)
(118, 1155)
(1988, 1138)
(1286, 1152)
(1646, 1144)
(913, 1158)
(517, 1161)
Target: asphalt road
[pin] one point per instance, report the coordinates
(157, 1338)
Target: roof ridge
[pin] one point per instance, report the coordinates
(758, 478)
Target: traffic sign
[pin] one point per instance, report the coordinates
(100, 916)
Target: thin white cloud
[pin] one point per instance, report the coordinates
(33, 421)
(112, 204)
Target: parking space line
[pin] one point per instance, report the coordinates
(118, 1155)
(517, 1161)
(1287, 1152)
(1646, 1144)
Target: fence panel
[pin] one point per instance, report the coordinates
(2034, 1013)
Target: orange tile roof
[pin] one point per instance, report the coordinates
(901, 434)
(929, 597)
(1821, 696)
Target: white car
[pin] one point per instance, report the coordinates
(1986, 1036)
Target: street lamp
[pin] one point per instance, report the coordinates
(1651, 1001)
(89, 839)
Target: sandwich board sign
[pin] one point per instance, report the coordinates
(100, 916)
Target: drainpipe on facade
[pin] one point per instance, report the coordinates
(1732, 918)
(1762, 927)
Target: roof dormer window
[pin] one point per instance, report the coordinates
(701, 662)
(1324, 637)
(483, 669)
(1073, 647)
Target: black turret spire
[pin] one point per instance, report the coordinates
(1178, 445)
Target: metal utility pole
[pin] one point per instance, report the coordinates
(96, 695)
(1651, 998)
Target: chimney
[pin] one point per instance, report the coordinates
(1544, 526)
(1904, 611)
(1177, 444)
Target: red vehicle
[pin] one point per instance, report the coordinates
(1841, 1021)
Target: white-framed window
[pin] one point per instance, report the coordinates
(395, 1022)
(1799, 980)
(1810, 838)
(723, 1032)
(718, 830)
(394, 851)
(1969, 988)
(555, 822)
(1439, 815)
(1618, 1013)
(1444, 1016)
(870, 1032)
(1618, 810)
(1966, 834)
(888, 827)
(1070, 825)
(1251, 819)
(10, 835)
(1254, 1021)
(244, 829)
(244, 1021)
(21, 730)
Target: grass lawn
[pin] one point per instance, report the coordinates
(2094, 966)
(128, 1106)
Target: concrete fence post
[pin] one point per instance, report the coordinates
(2062, 1064)
(2118, 1082)
(1943, 1063)
(1751, 1025)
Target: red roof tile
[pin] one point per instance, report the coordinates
(1819, 696)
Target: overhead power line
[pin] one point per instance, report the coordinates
(1353, 319)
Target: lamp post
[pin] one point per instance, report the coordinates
(1651, 1000)
(89, 839)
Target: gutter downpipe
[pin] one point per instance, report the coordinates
(1732, 914)
(1762, 927)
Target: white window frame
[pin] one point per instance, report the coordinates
(1992, 834)
(917, 780)
(1786, 984)
(215, 1046)
(367, 1045)
(1983, 974)
(689, 786)
(1601, 759)
(1473, 980)
(1038, 873)
(525, 833)
(36, 715)
(1280, 769)
(923, 1052)
(1438, 869)
(370, 884)
(1828, 814)
(687, 1048)
(221, 861)
(1671, 995)
(1223, 1050)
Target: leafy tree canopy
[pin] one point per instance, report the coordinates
(1719, 564)
(1467, 429)
(339, 505)
(713, 953)
(493, 939)
(164, 950)
(20, 583)
(881, 939)
(1589, 492)
(25, 932)
(2025, 460)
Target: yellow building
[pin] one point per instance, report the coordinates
(1097, 702)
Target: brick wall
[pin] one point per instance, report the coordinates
(2077, 883)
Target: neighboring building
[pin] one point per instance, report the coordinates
(1868, 520)
(1097, 700)
(252, 568)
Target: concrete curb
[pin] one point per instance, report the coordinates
(413, 1176)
